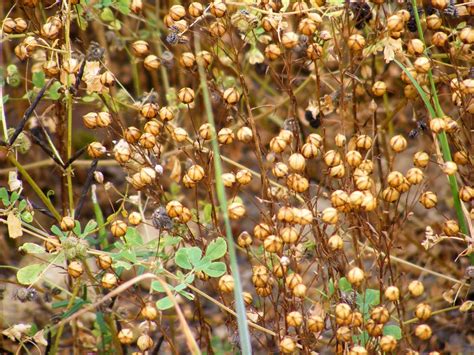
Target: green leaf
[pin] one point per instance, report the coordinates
(4, 196)
(22, 205)
(186, 294)
(53, 91)
(194, 255)
(133, 238)
(207, 213)
(14, 197)
(393, 330)
(26, 216)
(370, 298)
(123, 264)
(361, 339)
(344, 285)
(216, 249)
(29, 274)
(38, 79)
(107, 15)
(57, 231)
(77, 228)
(202, 264)
(158, 287)
(123, 6)
(181, 259)
(164, 303)
(32, 248)
(216, 269)
(90, 226)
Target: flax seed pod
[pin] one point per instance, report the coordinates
(335, 242)
(236, 210)
(428, 199)
(297, 162)
(273, 244)
(356, 42)
(289, 235)
(140, 48)
(297, 183)
(261, 231)
(186, 95)
(398, 143)
(272, 51)
(292, 280)
(421, 159)
(243, 177)
(226, 284)
(355, 276)
(416, 288)
(353, 158)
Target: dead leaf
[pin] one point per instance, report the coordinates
(176, 170)
(17, 331)
(39, 338)
(14, 226)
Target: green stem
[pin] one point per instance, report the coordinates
(244, 335)
(69, 112)
(99, 217)
(54, 348)
(442, 137)
(35, 187)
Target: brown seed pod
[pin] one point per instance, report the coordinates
(294, 319)
(332, 158)
(289, 235)
(398, 143)
(104, 119)
(433, 22)
(356, 42)
(152, 127)
(145, 342)
(450, 227)
(236, 210)
(379, 88)
(278, 144)
(314, 51)
(243, 176)
(273, 244)
(307, 26)
(187, 60)
(151, 62)
(149, 312)
(423, 331)
(414, 176)
(344, 334)
(292, 280)
(358, 350)
(390, 194)
(363, 142)
(104, 261)
(244, 240)
(335, 242)
(149, 110)
(109, 280)
(134, 218)
(261, 231)
(289, 39)
(428, 199)
(195, 9)
(355, 276)
(180, 135)
(330, 215)
(423, 311)
(67, 223)
(125, 336)
(297, 183)
(90, 120)
(415, 47)
(395, 178)
(51, 68)
(373, 328)
(421, 159)
(272, 51)
(174, 209)
(337, 171)
(388, 343)
(107, 79)
(439, 4)
(9, 25)
(416, 288)
(196, 173)
(343, 312)
(147, 140)
(297, 162)
(299, 291)
(466, 193)
(218, 9)
(439, 39)
(287, 345)
(206, 131)
(96, 150)
(422, 65)
(217, 28)
(226, 284)
(132, 135)
(177, 12)
(118, 228)
(136, 6)
(75, 269)
(204, 58)
(244, 134)
(315, 323)
(140, 48)
(380, 314)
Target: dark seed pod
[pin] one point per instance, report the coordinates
(362, 13)
(161, 220)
